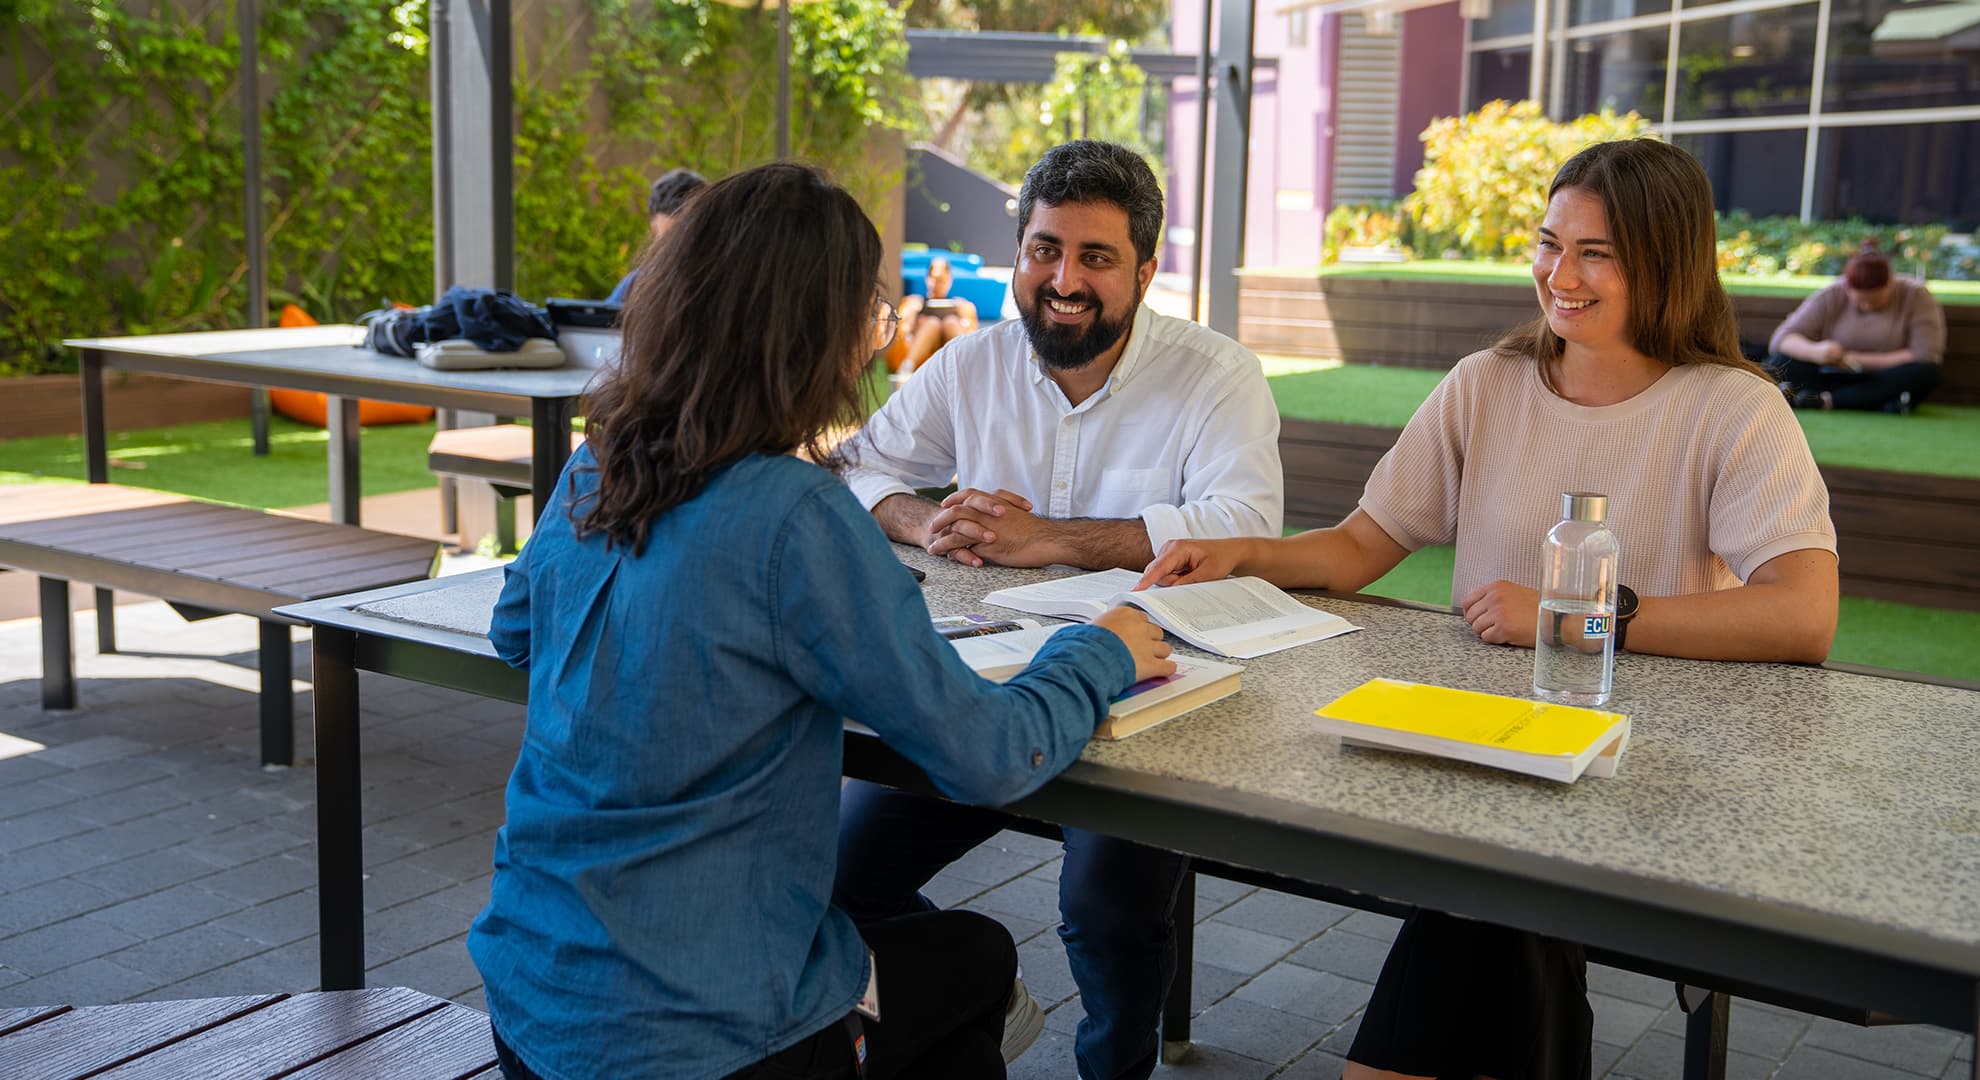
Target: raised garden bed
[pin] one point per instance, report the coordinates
(1903, 537)
(1416, 322)
(52, 404)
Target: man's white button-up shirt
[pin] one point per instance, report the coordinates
(1184, 435)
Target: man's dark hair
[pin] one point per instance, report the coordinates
(748, 331)
(1088, 170)
(673, 190)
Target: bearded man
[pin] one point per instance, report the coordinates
(1087, 433)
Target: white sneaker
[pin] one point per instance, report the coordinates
(1024, 1021)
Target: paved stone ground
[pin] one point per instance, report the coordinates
(144, 855)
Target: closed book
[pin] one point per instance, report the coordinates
(1554, 742)
(1196, 682)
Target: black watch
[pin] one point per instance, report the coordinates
(1625, 611)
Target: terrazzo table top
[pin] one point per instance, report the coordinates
(1845, 795)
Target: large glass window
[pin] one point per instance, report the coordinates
(1760, 63)
(1619, 71)
(1501, 74)
(1508, 17)
(1755, 171)
(1888, 55)
(1583, 12)
(1903, 173)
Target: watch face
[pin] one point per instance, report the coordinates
(1625, 601)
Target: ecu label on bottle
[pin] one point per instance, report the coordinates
(1596, 626)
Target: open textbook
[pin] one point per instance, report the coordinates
(1242, 617)
(1554, 742)
(1140, 707)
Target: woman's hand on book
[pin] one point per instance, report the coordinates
(1143, 639)
(1181, 562)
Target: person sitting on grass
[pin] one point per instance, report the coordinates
(1869, 341)
(1630, 384)
(930, 322)
(699, 610)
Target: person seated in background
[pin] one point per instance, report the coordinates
(1630, 384)
(699, 610)
(930, 322)
(663, 201)
(1869, 341)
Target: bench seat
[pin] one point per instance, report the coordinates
(202, 558)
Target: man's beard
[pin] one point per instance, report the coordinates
(1067, 348)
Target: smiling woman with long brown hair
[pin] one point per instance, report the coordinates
(699, 610)
(1628, 383)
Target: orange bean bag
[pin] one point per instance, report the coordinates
(305, 407)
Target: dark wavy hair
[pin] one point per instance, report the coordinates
(1658, 203)
(1088, 170)
(747, 331)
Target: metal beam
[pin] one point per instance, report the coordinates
(1016, 57)
(1231, 170)
(249, 14)
(474, 226)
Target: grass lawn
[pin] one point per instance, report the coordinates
(1869, 631)
(1471, 270)
(216, 461)
(1937, 439)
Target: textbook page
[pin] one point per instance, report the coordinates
(1243, 617)
(1082, 596)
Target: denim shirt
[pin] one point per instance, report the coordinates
(661, 905)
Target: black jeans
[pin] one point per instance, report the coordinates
(1858, 390)
(944, 978)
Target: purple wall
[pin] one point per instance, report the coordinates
(1430, 70)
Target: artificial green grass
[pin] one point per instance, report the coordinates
(1872, 632)
(1937, 440)
(215, 461)
(1469, 271)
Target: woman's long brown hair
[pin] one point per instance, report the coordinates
(747, 331)
(1658, 202)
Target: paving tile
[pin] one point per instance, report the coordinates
(458, 860)
(462, 749)
(263, 879)
(90, 751)
(1066, 1017)
(1621, 1022)
(412, 926)
(476, 999)
(1027, 898)
(93, 982)
(1207, 1062)
(185, 953)
(988, 865)
(1341, 1040)
(119, 775)
(1209, 984)
(442, 970)
(26, 798)
(1237, 949)
(1659, 1055)
(47, 862)
(1214, 894)
(290, 969)
(1344, 953)
(24, 768)
(48, 902)
(1315, 1065)
(1050, 1058)
(1763, 1031)
(1022, 843)
(948, 892)
(1296, 918)
(1042, 963)
(1371, 924)
(58, 945)
(135, 803)
(1321, 996)
(1914, 1047)
(468, 898)
(1603, 1057)
(1815, 1063)
(239, 844)
(1255, 1031)
(1630, 985)
(146, 873)
(167, 910)
(1021, 929)
(41, 826)
(276, 922)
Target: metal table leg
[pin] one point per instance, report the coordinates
(96, 462)
(1175, 1011)
(1708, 1015)
(550, 448)
(340, 415)
(339, 826)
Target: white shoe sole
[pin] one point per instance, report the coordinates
(1024, 1021)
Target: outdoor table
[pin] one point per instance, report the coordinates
(1806, 830)
(381, 1034)
(324, 359)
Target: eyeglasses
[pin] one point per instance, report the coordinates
(886, 323)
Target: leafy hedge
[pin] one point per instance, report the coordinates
(1481, 195)
(121, 166)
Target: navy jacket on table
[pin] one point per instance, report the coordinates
(661, 900)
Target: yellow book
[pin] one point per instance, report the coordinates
(1555, 742)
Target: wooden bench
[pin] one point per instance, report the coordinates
(496, 453)
(203, 559)
(380, 1034)
(1902, 537)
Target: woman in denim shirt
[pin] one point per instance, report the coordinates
(698, 610)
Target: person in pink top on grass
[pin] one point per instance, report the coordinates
(1870, 341)
(1630, 383)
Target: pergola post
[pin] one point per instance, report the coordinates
(1229, 173)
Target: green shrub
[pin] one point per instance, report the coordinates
(1785, 245)
(1381, 223)
(1483, 187)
